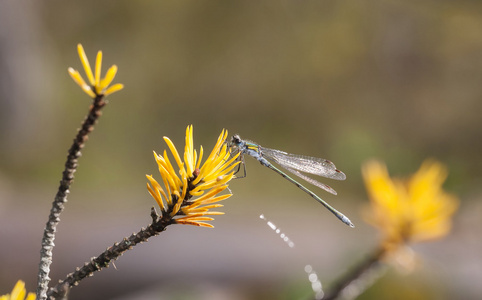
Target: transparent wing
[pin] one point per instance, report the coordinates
(326, 187)
(307, 164)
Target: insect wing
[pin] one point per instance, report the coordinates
(307, 164)
(326, 187)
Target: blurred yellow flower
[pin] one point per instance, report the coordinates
(18, 293)
(97, 85)
(412, 210)
(204, 182)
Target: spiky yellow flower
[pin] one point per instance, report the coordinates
(412, 210)
(98, 86)
(192, 191)
(18, 293)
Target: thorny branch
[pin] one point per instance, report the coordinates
(112, 253)
(61, 197)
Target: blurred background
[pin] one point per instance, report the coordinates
(400, 81)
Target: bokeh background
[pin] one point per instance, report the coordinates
(400, 81)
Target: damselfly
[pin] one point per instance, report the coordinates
(294, 164)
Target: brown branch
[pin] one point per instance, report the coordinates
(61, 196)
(112, 253)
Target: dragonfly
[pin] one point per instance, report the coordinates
(295, 164)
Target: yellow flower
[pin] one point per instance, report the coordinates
(190, 193)
(412, 210)
(97, 85)
(18, 293)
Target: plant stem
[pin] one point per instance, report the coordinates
(364, 267)
(112, 253)
(61, 196)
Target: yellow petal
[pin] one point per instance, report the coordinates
(18, 292)
(115, 88)
(171, 171)
(189, 151)
(156, 192)
(85, 63)
(98, 66)
(174, 152)
(200, 158)
(80, 81)
(109, 77)
(31, 296)
(192, 209)
(88, 90)
(187, 222)
(76, 77)
(216, 199)
(211, 193)
(196, 217)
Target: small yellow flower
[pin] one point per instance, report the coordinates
(97, 85)
(190, 193)
(18, 293)
(412, 210)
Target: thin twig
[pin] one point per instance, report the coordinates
(365, 266)
(61, 196)
(112, 253)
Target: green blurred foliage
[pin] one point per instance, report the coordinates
(347, 81)
(315, 78)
